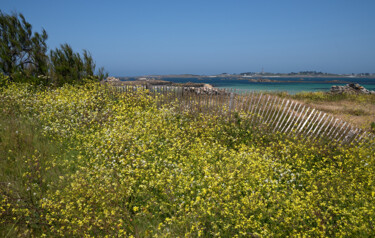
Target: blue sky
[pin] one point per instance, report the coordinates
(142, 37)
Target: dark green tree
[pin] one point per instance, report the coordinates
(69, 67)
(102, 74)
(88, 64)
(23, 56)
(22, 52)
(66, 66)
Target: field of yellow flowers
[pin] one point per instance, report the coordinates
(78, 161)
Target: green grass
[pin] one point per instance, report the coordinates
(28, 169)
(331, 97)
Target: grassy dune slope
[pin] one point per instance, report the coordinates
(356, 109)
(77, 161)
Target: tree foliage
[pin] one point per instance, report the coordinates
(102, 74)
(22, 51)
(68, 66)
(24, 57)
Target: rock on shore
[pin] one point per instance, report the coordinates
(351, 88)
(111, 80)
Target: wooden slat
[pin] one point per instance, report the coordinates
(264, 109)
(281, 115)
(291, 114)
(328, 126)
(340, 130)
(285, 115)
(320, 125)
(313, 121)
(269, 111)
(251, 98)
(255, 114)
(363, 135)
(277, 112)
(336, 129)
(251, 105)
(294, 118)
(304, 123)
(344, 132)
(329, 134)
(299, 119)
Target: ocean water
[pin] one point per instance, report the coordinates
(300, 84)
(291, 88)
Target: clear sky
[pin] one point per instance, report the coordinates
(139, 37)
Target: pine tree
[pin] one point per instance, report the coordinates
(69, 67)
(22, 52)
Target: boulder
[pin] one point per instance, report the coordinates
(206, 90)
(111, 79)
(351, 88)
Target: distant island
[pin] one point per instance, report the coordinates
(256, 76)
(301, 81)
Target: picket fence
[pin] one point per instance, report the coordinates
(263, 110)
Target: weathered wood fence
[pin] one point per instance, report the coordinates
(264, 110)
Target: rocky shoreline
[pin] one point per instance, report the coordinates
(154, 82)
(204, 88)
(198, 88)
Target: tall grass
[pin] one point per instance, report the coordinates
(28, 169)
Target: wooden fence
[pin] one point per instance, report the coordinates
(263, 110)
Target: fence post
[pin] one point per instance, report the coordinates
(230, 102)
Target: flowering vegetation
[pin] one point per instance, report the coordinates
(80, 161)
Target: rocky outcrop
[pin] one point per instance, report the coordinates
(351, 88)
(111, 80)
(263, 80)
(206, 90)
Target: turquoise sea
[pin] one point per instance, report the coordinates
(307, 84)
(291, 88)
